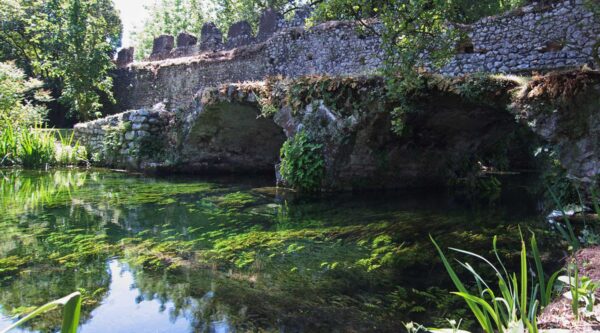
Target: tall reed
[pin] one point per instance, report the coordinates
(35, 147)
(520, 297)
(8, 143)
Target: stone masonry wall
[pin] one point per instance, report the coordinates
(127, 139)
(536, 37)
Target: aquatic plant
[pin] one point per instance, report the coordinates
(517, 305)
(8, 143)
(35, 147)
(71, 310)
(68, 151)
(302, 164)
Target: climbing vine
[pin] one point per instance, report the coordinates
(113, 139)
(302, 165)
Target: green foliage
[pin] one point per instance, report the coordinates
(35, 147)
(171, 17)
(267, 109)
(514, 307)
(113, 139)
(11, 265)
(69, 43)
(343, 94)
(71, 311)
(17, 94)
(384, 253)
(68, 152)
(302, 164)
(73, 249)
(582, 289)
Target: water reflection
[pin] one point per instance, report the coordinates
(123, 310)
(187, 255)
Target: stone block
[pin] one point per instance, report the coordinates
(125, 57)
(270, 21)
(185, 39)
(211, 38)
(161, 47)
(239, 34)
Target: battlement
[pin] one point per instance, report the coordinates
(538, 37)
(211, 39)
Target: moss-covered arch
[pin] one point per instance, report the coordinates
(231, 137)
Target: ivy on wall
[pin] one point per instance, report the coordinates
(302, 163)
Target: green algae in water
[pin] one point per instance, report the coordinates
(229, 255)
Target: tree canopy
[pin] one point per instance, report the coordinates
(68, 43)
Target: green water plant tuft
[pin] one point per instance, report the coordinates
(68, 151)
(35, 147)
(302, 164)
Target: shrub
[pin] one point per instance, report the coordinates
(14, 106)
(302, 164)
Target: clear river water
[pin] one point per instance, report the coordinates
(236, 255)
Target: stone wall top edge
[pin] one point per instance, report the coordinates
(206, 57)
(533, 8)
(229, 54)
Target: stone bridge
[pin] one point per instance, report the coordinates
(190, 111)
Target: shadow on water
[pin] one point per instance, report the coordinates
(181, 254)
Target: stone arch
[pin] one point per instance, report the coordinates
(231, 137)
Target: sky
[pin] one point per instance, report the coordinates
(133, 15)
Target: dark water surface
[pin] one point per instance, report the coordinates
(188, 255)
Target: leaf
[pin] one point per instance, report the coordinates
(71, 313)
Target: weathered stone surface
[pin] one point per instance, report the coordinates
(564, 109)
(161, 47)
(224, 132)
(125, 56)
(130, 139)
(185, 39)
(163, 43)
(230, 138)
(239, 34)
(500, 45)
(270, 21)
(211, 38)
(448, 131)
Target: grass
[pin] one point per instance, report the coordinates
(37, 147)
(68, 151)
(71, 311)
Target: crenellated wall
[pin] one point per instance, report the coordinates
(451, 127)
(536, 37)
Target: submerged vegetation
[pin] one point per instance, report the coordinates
(184, 238)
